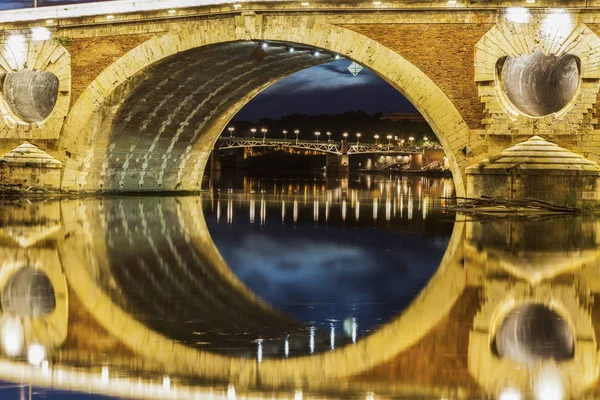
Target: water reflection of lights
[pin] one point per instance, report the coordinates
(230, 211)
(263, 210)
(351, 328)
(311, 342)
(36, 354)
(286, 346)
(509, 394)
(166, 383)
(282, 211)
(295, 211)
(298, 395)
(259, 351)
(375, 208)
(344, 205)
(13, 337)
(357, 210)
(252, 210)
(332, 337)
(104, 374)
(388, 209)
(231, 392)
(316, 210)
(548, 385)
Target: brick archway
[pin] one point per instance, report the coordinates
(85, 132)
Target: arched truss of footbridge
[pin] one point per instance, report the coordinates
(330, 147)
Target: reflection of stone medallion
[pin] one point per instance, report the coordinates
(33, 289)
(34, 301)
(540, 335)
(28, 293)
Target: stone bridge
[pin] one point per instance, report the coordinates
(131, 96)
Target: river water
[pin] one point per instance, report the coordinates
(295, 288)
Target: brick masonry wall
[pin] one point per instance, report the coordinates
(105, 51)
(444, 52)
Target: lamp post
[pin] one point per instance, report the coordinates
(389, 138)
(376, 139)
(411, 140)
(317, 134)
(358, 135)
(264, 132)
(231, 129)
(345, 135)
(328, 137)
(253, 130)
(296, 132)
(285, 134)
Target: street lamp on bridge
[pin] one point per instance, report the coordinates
(389, 138)
(345, 135)
(411, 140)
(328, 137)
(285, 134)
(317, 134)
(376, 139)
(231, 129)
(358, 135)
(264, 132)
(253, 130)
(296, 132)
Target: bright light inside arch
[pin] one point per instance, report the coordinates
(40, 33)
(518, 15)
(13, 337)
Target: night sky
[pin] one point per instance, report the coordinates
(325, 89)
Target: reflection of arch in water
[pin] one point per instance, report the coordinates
(423, 314)
(520, 271)
(87, 135)
(28, 293)
(32, 284)
(495, 373)
(195, 297)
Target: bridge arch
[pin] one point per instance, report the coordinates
(88, 128)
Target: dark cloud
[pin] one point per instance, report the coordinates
(325, 89)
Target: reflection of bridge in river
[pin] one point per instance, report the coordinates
(439, 346)
(327, 146)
